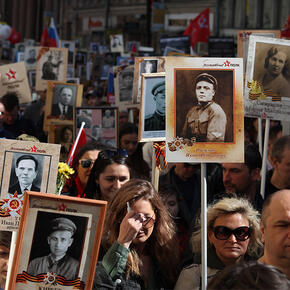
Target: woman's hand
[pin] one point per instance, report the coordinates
(129, 228)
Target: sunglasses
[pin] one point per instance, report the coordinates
(241, 233)
(86, 163)
(148, 222)
(109, 154)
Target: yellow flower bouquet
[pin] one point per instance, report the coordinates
(64, 172)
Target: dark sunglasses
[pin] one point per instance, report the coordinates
(86, 163)
(148, 222)
(241, 233)
(109, 154)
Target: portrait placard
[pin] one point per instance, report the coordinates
(152, 113)
(70, 45)
(145, 65)
(46, 219)
(267, 87)
(32, 78)
(51, 66)
(14, 79)
(25, 166)
(123, 84)
(63, 135)
(116, 43)
(101, 124)
(204, 109)
(243, 41)
(30, 55)
(61, 99)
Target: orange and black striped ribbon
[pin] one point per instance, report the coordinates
(160, 150)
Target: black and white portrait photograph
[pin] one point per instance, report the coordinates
(116, 43)
(271, 67)
(153, 106)
(84, 115)
(30, 56)
(204, 105)
(70, 45)
(57, 246)
(32, 78)
(63, 102)
(26, 173)
(124, 88)
(58, 242)
(108, 118)
(149, 66)
(51, 66)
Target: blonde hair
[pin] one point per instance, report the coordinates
(162, 243)
(227, 206)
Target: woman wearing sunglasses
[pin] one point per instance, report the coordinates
(109, 173)
(82, 166)
(141, 248)
(233, 236)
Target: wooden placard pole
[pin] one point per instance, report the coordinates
(11, 255)
(265, 157)
(203, 225)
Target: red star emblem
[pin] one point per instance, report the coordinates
(62, 207)
(33, 149)
(13, 203)
(11, 74)
(227, 63)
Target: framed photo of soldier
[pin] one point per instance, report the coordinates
(152, 113)
(63, 135)
(14, 79)
(101, 124)
(26, 166)
(243, 41)
(51, 66)
(70, 45)
(145, 65)
(116, 43)
(30, 55)
(204, 109)
(47, 218)
(267, 87)
(61, 99)
(123, 84)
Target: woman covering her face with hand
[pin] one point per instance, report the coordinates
(140, 241)
(233, 236)
(109, 173)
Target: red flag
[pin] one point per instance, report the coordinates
(14, 36)
(79, 142)
(198, 28)
(285, 31)
(45, 39)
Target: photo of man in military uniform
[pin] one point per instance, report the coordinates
(206, 120)
(156, 121)
(59, 239)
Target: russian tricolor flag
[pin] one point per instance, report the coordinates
(53, 35)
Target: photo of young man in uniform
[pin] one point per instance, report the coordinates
(60, 238)
(204, 105)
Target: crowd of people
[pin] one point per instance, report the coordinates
(152, 238)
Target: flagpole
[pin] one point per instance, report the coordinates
(75, 143)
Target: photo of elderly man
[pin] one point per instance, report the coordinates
(60, 238)
(26, 170)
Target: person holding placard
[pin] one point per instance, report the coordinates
(207, 120)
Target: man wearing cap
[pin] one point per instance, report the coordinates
(156, 121)
(206, 121)
(126, 84)
(59, 240)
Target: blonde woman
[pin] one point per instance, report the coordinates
(233, 236)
